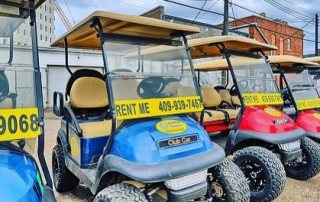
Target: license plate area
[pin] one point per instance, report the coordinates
(173, 142)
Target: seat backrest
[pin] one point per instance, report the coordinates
(236, 100)
(88, 93)
(225, 96)
(210, 97)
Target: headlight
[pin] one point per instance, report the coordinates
(186, 181)
(290, 146)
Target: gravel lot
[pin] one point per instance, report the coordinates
(306, 191)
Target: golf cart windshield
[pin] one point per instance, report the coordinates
(146, 85)
(303, 90)
(255, 82)
(18, 111)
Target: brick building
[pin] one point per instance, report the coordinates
(287, 38)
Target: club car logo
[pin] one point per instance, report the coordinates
(272, 112)
(171, 126)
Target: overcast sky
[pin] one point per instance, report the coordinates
(82, 8)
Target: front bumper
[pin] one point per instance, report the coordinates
(159, 172)
(277, 138)
(313, 135)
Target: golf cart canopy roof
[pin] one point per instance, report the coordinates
(313, 59)
(12, 14)
(288, 61)
(12, 7)
(222, 64)
(205, 47)
(83, 36)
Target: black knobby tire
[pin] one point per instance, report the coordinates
(120, 193)
(229, 183)
(63, 179)
(264, 172)
(309, 165)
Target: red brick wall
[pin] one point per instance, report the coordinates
(280, 31)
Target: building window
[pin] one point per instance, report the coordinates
(40, 26)
(46, 28)
(50, 30)
(50, 10)
(289, 44)
(41, 16)
(50, 40)
(45, 18)
(24, 32)
(5, 41)
(45, 8)
(281, 46)
(46, 39)
(273, 42)
(40, 37)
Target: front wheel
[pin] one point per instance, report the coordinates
(63, 179)
(306, 166)
(229, 183)
(264, 172)
(120, 192)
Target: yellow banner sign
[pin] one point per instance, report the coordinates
(142, 108)
(16, 124)
(258, 99)
(308, 103)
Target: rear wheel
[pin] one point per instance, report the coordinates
(307, 166)
(120, 192)
(229, 183)
(63, 179)
(264, 172)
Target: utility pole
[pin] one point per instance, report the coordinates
(317, 35)
(226, 18)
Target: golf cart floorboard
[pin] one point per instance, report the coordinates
(86, 175)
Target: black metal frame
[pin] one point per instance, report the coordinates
(38, 92)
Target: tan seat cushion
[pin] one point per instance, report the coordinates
(216, 116)
(89, 92)
(96, 129)
(236, 100)
(225, 96)
(210, 97)
(232, 113)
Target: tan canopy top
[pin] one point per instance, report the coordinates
(313, 59)
(222, 64)
(202, 47)
(11, 7)
(289, 61)
(82, 36)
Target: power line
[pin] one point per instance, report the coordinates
(241, 20)
(200, 10)
(74, 22)
(214, 3)
(287, 10)
(298, 7)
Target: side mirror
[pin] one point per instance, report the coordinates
(58, 105)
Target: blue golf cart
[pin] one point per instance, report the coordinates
(131, 133)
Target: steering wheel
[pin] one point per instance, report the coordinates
(233, 90)
(151, 87)
(4, 86)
